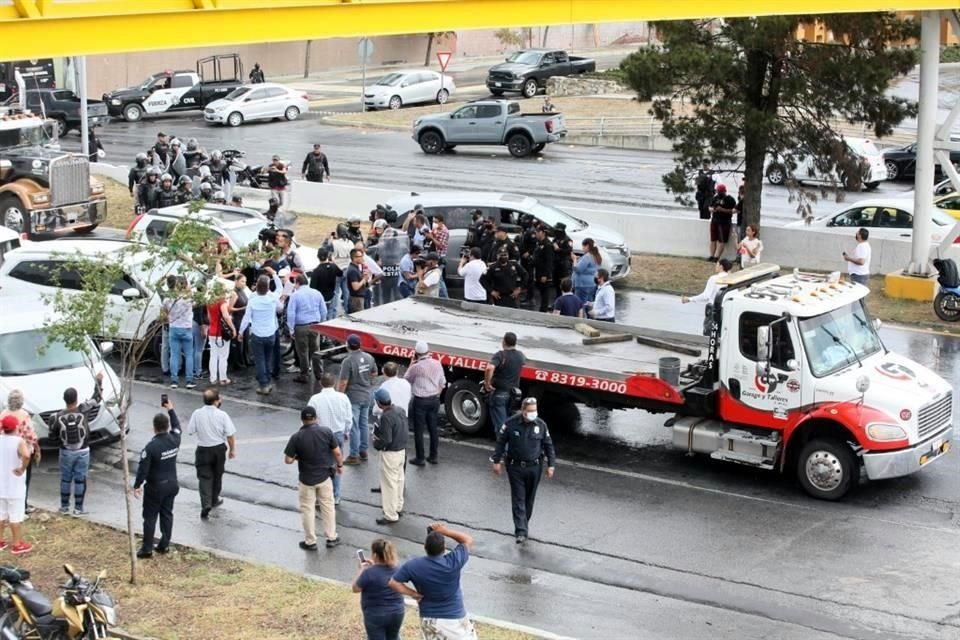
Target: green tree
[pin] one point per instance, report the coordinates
(79, 315)
(730, 92)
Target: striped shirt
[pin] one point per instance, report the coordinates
(426, 378)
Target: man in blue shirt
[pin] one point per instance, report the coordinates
(261, 318)
(568, 304)
(408, 272)
(305, 308)
(436, 577)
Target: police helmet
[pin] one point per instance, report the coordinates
(175, 142)
(220, 197)
(184, 180)
(166, 178)
(141, 158)
(343, 231)
(216, 155)
(153, 172)
(193, 144)
(354, 222)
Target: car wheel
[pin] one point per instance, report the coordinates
(893, 170)
(291, 114)
(442, 96)
(62, 128)
(395, 102)
(496, 92)
(85, 230)
(465, 408)
(872, 186)
(431, 142)
(530, 88)
(132, 112)
(235, 119)
(827, 469)
(776, 175)
(539, 147)
(14, 215)
(519, 145)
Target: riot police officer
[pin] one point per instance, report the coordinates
(562, 253)
(148, 190)
(137, 173)
(504, 280)
(184, 190)
(206, 192)
(502, 244)
(218, 167)
(219, 197)
(523, 441)
(158, 470)
(166, 195)
(194, 155)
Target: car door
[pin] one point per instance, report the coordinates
(489, 127)
(276, 102)
(853, 218)
(190, 94)
(256, 105)
(462, 124)
(890, 222)
(429, 86)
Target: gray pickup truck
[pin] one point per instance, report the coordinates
(489, 122)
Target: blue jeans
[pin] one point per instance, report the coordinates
(383, 626)
(405, 288)
(586, 294)
(199, 342)
(336, 477)
(499, 405)
(264, 354)
(860, 279)
(443, 289)
(360, 431)
(73, 476)
(331, 308)
(181, 343)
(165, 349)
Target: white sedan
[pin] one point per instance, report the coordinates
(408, 87)
(886, 218)
(262, 101)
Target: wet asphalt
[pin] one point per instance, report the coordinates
(630, 540)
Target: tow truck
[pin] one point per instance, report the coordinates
(792, 377)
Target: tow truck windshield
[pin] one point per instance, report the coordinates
(838, 339)
(28, 136)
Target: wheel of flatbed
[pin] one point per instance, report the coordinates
(466, 408)
(827, 469)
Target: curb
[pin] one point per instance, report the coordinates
(357, 125)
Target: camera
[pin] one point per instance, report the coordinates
(464, 252)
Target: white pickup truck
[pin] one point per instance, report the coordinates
(489, 122)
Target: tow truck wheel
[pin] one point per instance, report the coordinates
(465, 407)
(132, 112)
(947, 306)
(14, 217)
(827, 469)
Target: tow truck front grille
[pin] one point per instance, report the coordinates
(935, 415)
(69, 180)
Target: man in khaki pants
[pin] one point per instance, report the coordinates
(390, 439)
(317, 454)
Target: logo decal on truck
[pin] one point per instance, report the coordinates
(896, 371)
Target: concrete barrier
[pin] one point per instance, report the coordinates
(686, 236)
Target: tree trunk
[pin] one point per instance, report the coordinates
(426, 58)
(543, 38)
(754, 157)
(127, 372)
(306, 60)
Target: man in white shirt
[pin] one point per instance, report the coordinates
(430, 277)
(399, 389)
(709, 293)
(216, 441)
(471, 271)
(858, 263)
(335, 412)
(604, 303)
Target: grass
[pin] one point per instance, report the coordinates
(191, 594)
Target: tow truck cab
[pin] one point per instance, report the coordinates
(798, 379)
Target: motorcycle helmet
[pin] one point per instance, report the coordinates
(220, 197)
(166, 178)
(184, 180)
(153, 172)
(206, 189)
(216, 155)
(141, 159)
(193, 144)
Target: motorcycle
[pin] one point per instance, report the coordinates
(247, 175)
(83, 609)
(946, 304)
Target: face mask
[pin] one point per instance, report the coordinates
(596, 281)
(502, 260)
(530, 416)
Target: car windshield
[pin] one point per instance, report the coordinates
(390, 80)
(150, 274)
(839, 338)
(526, 57)
(244, 235)
(551, 216)
(35, 135)
(236, 94)
(149, 82)
(20, 354)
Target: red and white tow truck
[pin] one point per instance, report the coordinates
(792, 377)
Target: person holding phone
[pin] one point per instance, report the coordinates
(382, 606)
(158, 471)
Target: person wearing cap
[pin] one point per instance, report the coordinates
(544, 264)
(427, 381)
(501, 244)
(523, 442)
(722, 208)
(317, 454)
(305, 309)
(261, 318)
(428, 284)
(14, 458)
(158, 471)
(315, 166)
(504, 280)
(390, 439)
(563, 254)
(26, 431)
(357, 372)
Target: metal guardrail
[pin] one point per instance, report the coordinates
(614, 126)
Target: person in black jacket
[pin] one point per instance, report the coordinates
(158, 470)
(563, 254)
(94, 146)
(161, 149)
(315, 165)
(501, 244)
(148, 190)
(543, 268)
(166, 194)
(137, 173)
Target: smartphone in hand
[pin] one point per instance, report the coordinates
(362, 558)
(164, 399)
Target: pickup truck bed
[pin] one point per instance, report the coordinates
(465, 335)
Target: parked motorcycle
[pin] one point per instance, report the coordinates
(247, 175)
(83, 609)
(946, 304)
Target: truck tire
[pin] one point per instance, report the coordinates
(496, 92)
(539, 147)
(519, 145)
(530, 88)
(947, 306)
(431, 142)
(465, 407)
(62, 128)
(14, 215)
(133, 112)
(776, 175)
(827, 469)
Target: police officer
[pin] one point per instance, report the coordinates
(158, 470)
(504, 280)
(194, 155)
(528, 244)
(166, 195)
(137, 173)
(563, 253)
(184, 190)
(502, 244)
(148, 190)
(523, 441)
(475, 230)
(218, 168)
(543, 266)
(206, 192)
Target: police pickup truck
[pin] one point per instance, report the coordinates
(489, 122)
(177, 91)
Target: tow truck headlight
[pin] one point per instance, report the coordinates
(885, 432)
(41, 197)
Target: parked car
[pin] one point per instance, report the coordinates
(949, 203)
(886, 218)
(9, 240)
(901, 162)
(262, 101)
(809, 169)
(400, 88)
(62, 106)
(241, 227)
(176, 91)
(457, 207)
(527, 71)
(43, 374)
(489, 122)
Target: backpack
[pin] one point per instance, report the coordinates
(948, 278)
(73, 430)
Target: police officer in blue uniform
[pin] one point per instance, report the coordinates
(524, 441)
(158, 469)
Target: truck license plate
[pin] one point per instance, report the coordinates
(497, 84)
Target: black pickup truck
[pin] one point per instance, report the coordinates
(63, 106)
(527, 71)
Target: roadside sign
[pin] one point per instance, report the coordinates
(365, 50)
(444, 58)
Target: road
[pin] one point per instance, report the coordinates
(630, 540)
